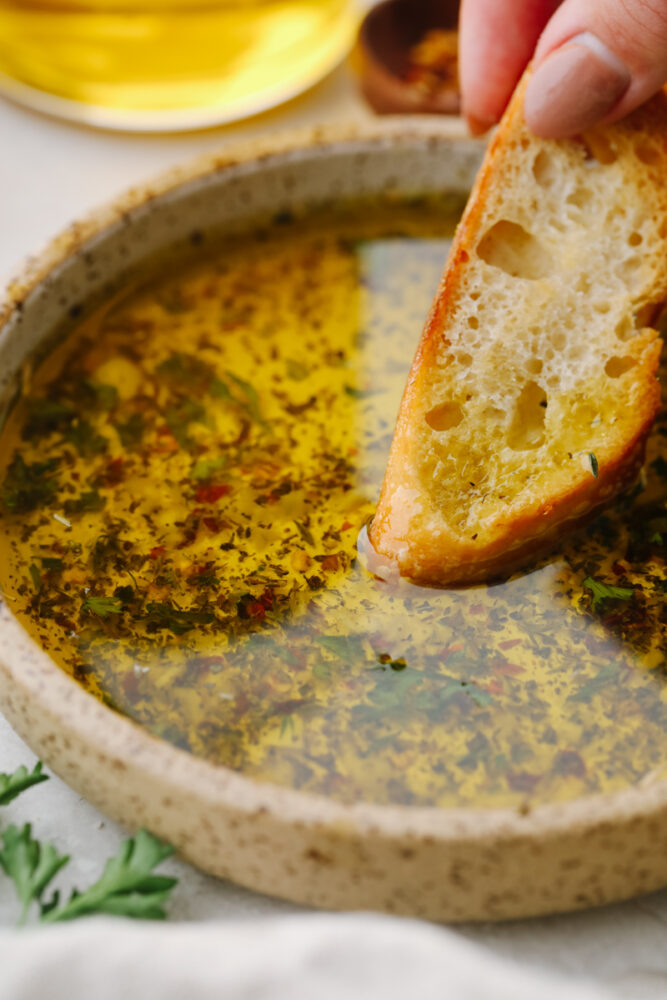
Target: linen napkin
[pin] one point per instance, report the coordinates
(303, 957)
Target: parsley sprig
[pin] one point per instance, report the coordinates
(602, 592)
(127, 886)
(19, 781)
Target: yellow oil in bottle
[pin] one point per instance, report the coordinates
(181, 495)
(167, 63)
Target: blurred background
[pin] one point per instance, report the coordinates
(182, 64)
(100, 95)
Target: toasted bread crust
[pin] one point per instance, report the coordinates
(413, 525)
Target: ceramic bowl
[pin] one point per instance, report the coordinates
(442, 864)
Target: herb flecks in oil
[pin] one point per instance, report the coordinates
(180, 501)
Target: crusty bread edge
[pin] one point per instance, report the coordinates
(446, 560)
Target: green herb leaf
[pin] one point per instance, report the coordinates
(305, 533)
(91, 500)
(126, 887)
(101, 395)
(595, 685)
(87, 441)
(29, 864)
(179, 418)
(219, 390)
(102, 606)
(205, 468)
(347, 648)
(251, 402)
(11, 785)
(46, 416)
(162, 615)
(186, 370)
(27, 487)
(355, 393)
(296, 371)
(35, 576)
(594, 463)
(52, 564)
(603, 592)
(131, 432)
(322, 671)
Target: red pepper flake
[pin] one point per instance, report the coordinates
(114, 472)
(569, 764)
(600, 647)
(242, 703)
(130, 685)
(211, 661)
(212, 524)
(200, 666)
(618, 569)
(256, 610)
(346, 525)
(266, 598)
(329, 564)
(65, 623)
(289, 706)
(505, 668)
(211, 494)
(509, 643)
(493, 687)
(522, 781)
(157, 552)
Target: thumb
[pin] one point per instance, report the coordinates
(595, 62)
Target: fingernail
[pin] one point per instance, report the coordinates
(477, 126)
(574, 88)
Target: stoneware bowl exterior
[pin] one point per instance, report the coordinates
(441, 864)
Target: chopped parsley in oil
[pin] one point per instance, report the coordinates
(602, 592)
(27, 486)
(102, 606)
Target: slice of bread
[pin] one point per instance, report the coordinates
(534, 385)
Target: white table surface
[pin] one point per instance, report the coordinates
(52, 172)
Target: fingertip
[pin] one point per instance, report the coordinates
(573, 89)
(478, 126)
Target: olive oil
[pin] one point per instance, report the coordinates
(182, 493)
(168, 63)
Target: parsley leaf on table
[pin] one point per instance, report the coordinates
(127, 886)
(30, 865)
(19, 781)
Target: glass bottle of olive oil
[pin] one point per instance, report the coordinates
(152, 64)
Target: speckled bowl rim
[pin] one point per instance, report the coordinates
(31, 671)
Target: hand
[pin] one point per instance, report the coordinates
(594, 60)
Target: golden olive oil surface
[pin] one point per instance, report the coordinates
(182, 491)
